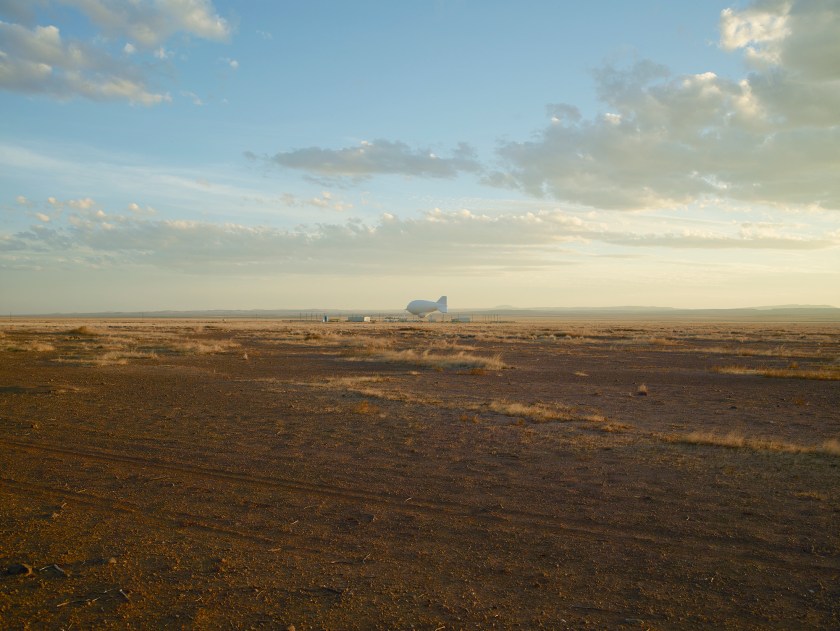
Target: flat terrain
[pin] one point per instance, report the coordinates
(262, 474)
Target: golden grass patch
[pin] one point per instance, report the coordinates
(366, 407)
(733, 440)
(541, 412)
(822, 374)
(33, 346)
(430, 359)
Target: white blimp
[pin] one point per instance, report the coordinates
(422, 308)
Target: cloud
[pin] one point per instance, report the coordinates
(21, 10)
(137, 209)
(437, 241)
(380, 157)
(150, 23)
(38, 60)
(664, 141)
(196, 100)
(324, 200)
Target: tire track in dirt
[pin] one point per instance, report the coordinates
(184, 521)
(178, 519)
(740, 547)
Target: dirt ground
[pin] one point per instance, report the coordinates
(264, 474)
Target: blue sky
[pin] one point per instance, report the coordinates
(189, 154)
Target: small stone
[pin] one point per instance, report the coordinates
(291, 627)
(112, 561)
(21, 569)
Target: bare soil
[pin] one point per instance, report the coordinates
(185, 474)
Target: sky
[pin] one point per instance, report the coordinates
(212, 154)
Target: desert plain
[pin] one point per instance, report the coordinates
(209, 474)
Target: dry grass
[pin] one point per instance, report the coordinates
(791, 372)
(779, 351)
(660, 341)
(121, 357)
(536, 412)
(85, 330)
(366, 407)
(430, 359)
(541, 412)
(734, 440)
(33, 346)
(612, 428)
(194, 347)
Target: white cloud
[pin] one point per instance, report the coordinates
(196, 100)
(38, 60)
(437, 241)
(149, 23)
(81, 204)
(756, 29)
(20, 199)
(137, 209)
(666, 141)
(326, 200)
(42, 217)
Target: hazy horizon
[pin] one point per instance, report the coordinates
(454, 310)
(201, 155)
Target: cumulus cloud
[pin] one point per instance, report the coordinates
(380, 157)
(150, 23)
(38, 59)
(770, 137)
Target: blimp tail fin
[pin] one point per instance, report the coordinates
(442, 304)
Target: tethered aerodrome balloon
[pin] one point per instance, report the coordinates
(422, 308)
